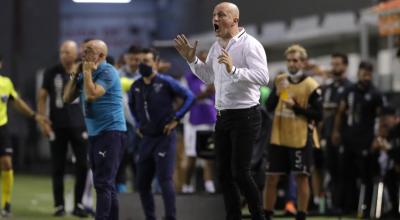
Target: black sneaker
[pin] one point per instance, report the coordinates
(6, 212)
(80, 212)
(60, 211)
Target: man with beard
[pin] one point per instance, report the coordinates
(354, 129)
(297, 105)
(332, 94)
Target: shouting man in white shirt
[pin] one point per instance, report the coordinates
(237, 65)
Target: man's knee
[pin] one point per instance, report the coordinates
(166, 183)
(6, 163)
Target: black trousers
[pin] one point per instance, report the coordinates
(236, 132)
(356, 166)
(77, 137)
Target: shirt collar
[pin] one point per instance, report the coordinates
(235, 38)
(242, 31)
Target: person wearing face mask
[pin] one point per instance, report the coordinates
(354, 126)
(332, 94)
(297, 105)
(100, 94)
(151, 99)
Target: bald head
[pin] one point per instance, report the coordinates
(95, 50)
(100, 46)
(226, 20)
(230, 8)
(68, 53)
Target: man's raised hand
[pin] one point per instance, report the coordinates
(185, 49)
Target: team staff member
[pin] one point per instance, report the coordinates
(100, 93)
(67, 127)
(297, 105)
(151, 103)
(237, 65)
(332, 94)
(8, 93)
(354, 129)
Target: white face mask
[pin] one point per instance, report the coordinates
(295, 77)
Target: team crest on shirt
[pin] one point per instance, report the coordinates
(340, 90)
(367, 97)
(137, 90)
(4, 98)
(157, 87)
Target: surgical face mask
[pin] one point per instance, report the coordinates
(145, 70)
(295, 76)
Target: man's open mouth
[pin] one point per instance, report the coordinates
(216, 27)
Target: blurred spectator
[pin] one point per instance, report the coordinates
(386, 149)
(128, 74)
(202, 117)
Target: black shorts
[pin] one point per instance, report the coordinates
(5, 143)
(284, 160)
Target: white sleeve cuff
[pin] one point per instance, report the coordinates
(234, 74)
(233, 71)
(196, 60)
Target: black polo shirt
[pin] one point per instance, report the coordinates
(362, 109)
(61, 114)
(332, 95)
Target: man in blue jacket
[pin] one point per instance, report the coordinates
(151, 100)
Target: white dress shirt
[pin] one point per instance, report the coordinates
(240, 88)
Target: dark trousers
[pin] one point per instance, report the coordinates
(77, 137)
(105, 154)
(236, 132)
(333, 164)
(156, 156)
(356, 167)
(132, 142)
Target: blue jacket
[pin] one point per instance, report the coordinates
(152, 105)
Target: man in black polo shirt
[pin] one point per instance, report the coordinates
(67, 128)
(332, 95)
(354, 130)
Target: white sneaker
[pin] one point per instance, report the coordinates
(187, 189)
(209, 185)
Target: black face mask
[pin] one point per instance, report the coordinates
(366, 84)
(145, 70)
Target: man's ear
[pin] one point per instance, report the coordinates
(156, 64)
(236, 20)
